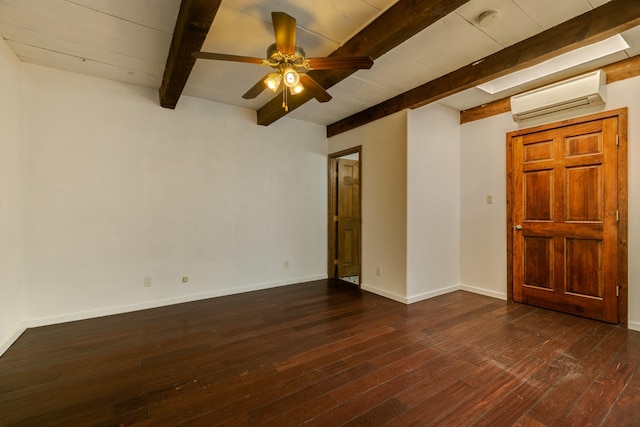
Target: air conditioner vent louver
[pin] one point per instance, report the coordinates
(582, 91)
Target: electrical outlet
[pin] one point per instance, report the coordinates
(286, 264)
(489, 199)
(185, 279)
(147, 282)
(378, 271)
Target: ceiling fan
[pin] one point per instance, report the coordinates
(289, 62)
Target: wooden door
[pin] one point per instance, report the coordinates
(348, 207)
(565, 218)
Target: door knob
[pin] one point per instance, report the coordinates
(517, 227)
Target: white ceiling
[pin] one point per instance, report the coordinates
(128, 41)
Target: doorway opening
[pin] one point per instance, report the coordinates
(344, 218)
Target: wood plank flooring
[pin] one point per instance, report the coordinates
(325, 354)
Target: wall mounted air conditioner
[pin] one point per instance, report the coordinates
(582, 91)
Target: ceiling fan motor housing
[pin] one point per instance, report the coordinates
(277, 58)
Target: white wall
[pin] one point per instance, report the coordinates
(119, 189)
(12, 302)
(483, 171)
(384, 202)
(433, 202)
(483, 250)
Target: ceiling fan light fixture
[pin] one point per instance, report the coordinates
(290, 77)
(273, 81)
(296, 89)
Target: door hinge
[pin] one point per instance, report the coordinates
(335, 262)
(617, 290)
(335, 218)
(617, 215)
(617, 140)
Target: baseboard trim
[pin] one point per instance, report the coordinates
(634, 326)
(383, 293)
(432, 294)
(4, 346)
(485, 292)
(72, 317)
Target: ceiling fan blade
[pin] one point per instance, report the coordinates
(318, 91)
(284, 27)
(225, 57)
(341, 63)
(256, 89)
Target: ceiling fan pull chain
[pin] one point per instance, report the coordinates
(284, 100)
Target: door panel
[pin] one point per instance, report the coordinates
(538, 195)
(348, 217)
(584, 259)
(565, 248)
(538, 270)
(584, 198)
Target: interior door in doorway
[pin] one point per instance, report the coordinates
(565, 218)
(348, 217)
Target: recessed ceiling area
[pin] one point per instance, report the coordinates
(128, 41)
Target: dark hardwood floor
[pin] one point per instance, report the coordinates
(326, 354)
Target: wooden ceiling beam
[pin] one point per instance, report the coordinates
(192, 26)
(400, 22)
(595, 25)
